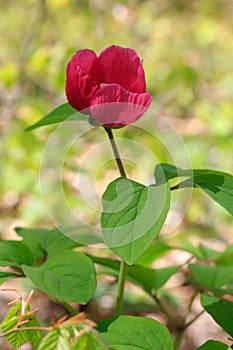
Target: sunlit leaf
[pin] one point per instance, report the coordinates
(35, 335)
(56, 339)
(59, 115)
(16, 339)
(86, 341)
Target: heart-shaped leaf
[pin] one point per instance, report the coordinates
(68, 276)
(133, 215)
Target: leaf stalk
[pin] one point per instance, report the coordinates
(123, 266)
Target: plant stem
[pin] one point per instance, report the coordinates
(116, 152)
(164, 310)
(47, 329)
(123, 266)
(178, 340)
(121, 286)
(178, 330)
(194, 319)
(190, 305)
(68, 307)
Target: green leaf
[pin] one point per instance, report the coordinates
(133, 216)
(213, 345)
(218, 185)
(149, 279)
(5, 276)
(43, 242)
(164, 172)
(138, 333)
(15, 254)
(104, 324)
(201, 252)
(83, 234)
(156, 250)
(86, 341)
(11, 319)
(34, 336)
(16, 339)
(225, 258)
(152, 279)
(221, 310)
(57, 339)
(214, 278)
(59, 115)
(35, 240)
(58, 242)
(63, 338)
(68, 276)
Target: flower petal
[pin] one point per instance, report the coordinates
(79, 86)
(139, 85)
(122, 66)
(114, 106)
(84, 58)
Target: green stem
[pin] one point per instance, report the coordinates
(121, 287)
(164, 310)
(123, 266)
(190, 305)
(116, 152)
(194, 319)
(68, 307)
(178, 330)
(178, 340)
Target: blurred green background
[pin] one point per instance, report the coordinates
(187, 48)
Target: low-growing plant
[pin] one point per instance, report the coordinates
(109, 92)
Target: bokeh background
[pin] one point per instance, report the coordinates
(187, 47)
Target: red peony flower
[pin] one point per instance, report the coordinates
(110, 87)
